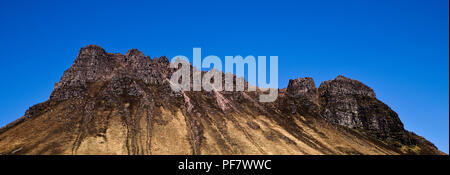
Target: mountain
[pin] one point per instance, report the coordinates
(109, 103)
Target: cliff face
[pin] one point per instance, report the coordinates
(303, 93)
(350, 103)
(122, 104)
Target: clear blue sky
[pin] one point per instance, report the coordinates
(399, 48)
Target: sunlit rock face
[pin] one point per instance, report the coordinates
(110, 103)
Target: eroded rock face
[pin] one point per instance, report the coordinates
(94, 65)
(303, 88)
(350, 103)
(303, 91)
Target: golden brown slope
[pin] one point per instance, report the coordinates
(168, 130)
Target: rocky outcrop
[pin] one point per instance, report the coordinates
(303, 88)
(94, 65)
(303, 96)
(345, 102)
(350, 103)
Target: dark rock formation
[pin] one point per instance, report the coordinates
(93, 65)
(350, 103)
(303, 95)
(303, 88)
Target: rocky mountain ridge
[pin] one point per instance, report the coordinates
(108, 103)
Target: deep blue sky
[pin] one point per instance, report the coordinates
(399, 48)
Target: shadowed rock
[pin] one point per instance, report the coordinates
(352, 104)
(303, 91)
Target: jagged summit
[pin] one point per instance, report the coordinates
(123, 104)
(352, 104)
(92, 50)
(302, 87)
(134, 52)
(346, 86)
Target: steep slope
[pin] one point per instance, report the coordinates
(122, 104)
